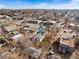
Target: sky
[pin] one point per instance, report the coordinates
(39, 4)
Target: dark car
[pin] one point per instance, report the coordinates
(33, 22)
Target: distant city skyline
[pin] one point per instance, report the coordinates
(39, 4)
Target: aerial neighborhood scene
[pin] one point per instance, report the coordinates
(39, 29)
